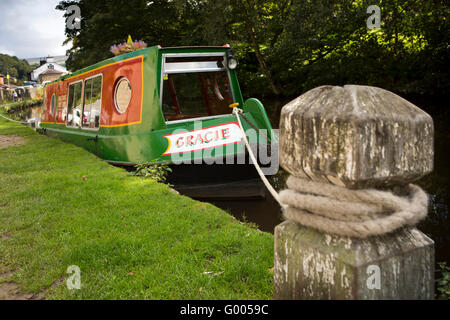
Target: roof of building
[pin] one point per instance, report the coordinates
(51, 71)
(45, 67)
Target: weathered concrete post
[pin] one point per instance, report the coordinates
(353, 137)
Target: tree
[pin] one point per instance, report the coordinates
(16, 67)
(104, 23)
(286, 46)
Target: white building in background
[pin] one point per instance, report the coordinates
(48, 66)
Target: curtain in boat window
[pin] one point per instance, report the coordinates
(188, 95)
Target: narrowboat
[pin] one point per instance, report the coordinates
(169, 105)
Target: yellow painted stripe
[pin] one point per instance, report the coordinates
(168, 146)
(120, 125)
(107, 65)
(142, 88)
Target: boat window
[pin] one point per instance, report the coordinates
(74, 104)
(195, 87)
(92, 102)
(122, 95)
(194, 64)
(52, 105)
(45, 97)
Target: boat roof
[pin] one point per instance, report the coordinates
(196, 47)
(128, 55)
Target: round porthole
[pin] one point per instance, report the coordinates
(52, 105)
(122, 95)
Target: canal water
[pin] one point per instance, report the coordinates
(266, 213)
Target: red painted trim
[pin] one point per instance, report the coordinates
(173, 94)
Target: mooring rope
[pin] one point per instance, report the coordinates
(22, 122)
(354, 213)
(12, 120)
(266, 182)
(339, 210)
(7, 104)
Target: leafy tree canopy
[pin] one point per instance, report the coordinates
(19, 69)
(284, 46)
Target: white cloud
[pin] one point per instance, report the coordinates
(7, 51)
(31, 28)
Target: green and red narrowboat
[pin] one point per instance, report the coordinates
(155, 104)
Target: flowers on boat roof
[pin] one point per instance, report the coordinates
(128, 46)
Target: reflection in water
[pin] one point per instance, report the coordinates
(265, 213)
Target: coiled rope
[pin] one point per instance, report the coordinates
(354, 213)
(346, 212)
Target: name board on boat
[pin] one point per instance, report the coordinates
(205, 138)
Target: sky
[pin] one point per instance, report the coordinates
(31, 28)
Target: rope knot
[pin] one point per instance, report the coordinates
(354, 213)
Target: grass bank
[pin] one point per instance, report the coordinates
(131, 237)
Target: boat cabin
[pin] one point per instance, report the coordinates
(153, 104)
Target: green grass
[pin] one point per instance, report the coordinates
(111, 223)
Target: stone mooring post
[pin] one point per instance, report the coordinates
(358, 137)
